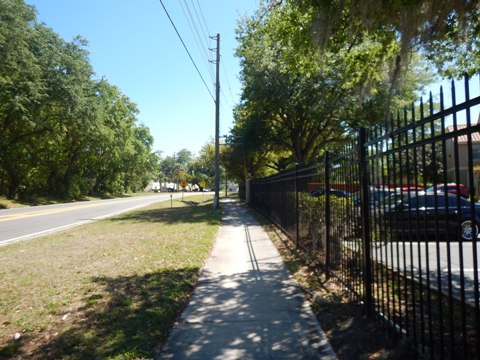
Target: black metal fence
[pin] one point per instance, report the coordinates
(393, 216)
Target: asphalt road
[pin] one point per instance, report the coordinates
(21, 223)
(449, 264)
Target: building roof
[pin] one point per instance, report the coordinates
(464, 138)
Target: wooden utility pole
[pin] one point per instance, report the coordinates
(216, 200)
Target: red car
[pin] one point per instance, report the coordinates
(452, 188)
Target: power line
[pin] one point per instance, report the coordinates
(204, 28)
(228, 83)
(186, 49)
(203, 17)
(202, 45)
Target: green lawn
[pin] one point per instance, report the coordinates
(109, 289)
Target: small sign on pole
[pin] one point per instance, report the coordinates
(183, 184)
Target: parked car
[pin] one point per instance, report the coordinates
(430, 213)
(409, 188)
(334, 192)
(453, 188)
(375, 196)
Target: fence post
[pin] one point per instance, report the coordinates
(248, 185)
(327, 214)
(365, 214)
(297, 215)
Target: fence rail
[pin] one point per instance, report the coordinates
(409, 255)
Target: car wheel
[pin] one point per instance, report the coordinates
(466, 231)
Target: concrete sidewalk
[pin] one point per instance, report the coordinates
(246, 305)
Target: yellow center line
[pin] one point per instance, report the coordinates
(11, 217)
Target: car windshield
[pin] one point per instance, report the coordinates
(438, 199)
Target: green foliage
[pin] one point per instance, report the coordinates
(63, 133)
(312, 208)
(447, 33)
(312, 215)
(176, 168)
(306, 90)
(203, 167)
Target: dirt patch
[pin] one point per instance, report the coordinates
(351, 332)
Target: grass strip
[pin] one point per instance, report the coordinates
(110, 289)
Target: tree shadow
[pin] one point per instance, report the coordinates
(252, 308)
(258, 312)
(129, 317)
(193, 213)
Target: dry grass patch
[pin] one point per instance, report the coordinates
(110, 289)
(8, 204)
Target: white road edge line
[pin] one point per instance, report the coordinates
(9, 241)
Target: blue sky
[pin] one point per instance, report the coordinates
(134, 46)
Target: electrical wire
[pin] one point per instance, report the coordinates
(203, 18)
(186, 49)
(203, 27)
(223, 63)
(228, 82)
(202, 45)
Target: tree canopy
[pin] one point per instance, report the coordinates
(63, 133)
(314, 71)
(446, 32)
(185, 166)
